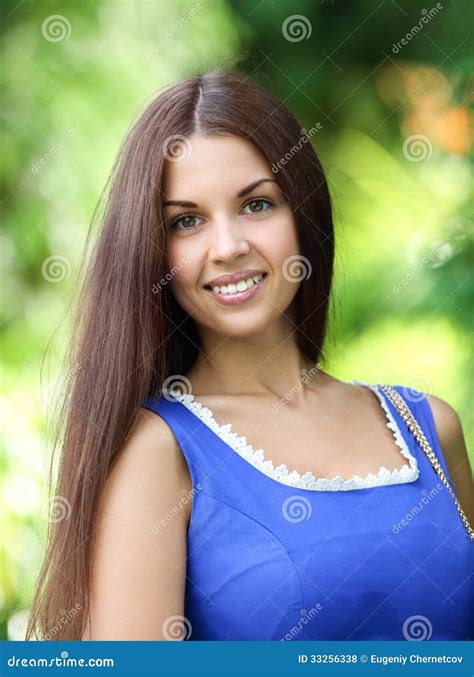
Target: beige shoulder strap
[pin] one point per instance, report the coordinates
(414, 427)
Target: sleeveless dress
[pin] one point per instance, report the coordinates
(273, 555)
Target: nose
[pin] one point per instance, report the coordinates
(228, 240)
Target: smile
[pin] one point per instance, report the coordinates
(232, 294)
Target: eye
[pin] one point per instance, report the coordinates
(184, 222)
(258, 205)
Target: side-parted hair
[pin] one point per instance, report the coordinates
(129, 334)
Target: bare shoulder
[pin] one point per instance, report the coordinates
(150, 457)
(449, 429)
(138, 559)
(453, 445)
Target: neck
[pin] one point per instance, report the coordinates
(253, 365)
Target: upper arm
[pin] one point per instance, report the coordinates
(138, 565)
(451, 438)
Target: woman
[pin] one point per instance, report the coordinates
(203, 317)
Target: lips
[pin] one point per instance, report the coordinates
(239, 297)
(233, 278)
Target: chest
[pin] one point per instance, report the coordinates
(328, 440)
(252, 572)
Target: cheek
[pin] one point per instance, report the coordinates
(174, 252)
(280, 244)
(284, 253)
(185, 266)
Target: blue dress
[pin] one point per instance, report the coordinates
(273, 555)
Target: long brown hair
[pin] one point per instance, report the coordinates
(127, 338)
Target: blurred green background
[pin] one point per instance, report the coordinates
(389, 83)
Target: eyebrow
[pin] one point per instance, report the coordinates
(192, 205)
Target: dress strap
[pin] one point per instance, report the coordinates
(195, 440)
(412, 424)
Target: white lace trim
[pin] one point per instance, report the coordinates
(407, 473)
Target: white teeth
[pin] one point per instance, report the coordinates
(242, 285)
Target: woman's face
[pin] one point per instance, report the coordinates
(226, 227)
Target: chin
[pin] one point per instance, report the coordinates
(244, 327)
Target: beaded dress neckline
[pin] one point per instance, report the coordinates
(409, 472)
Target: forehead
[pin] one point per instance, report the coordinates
(214, 162)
